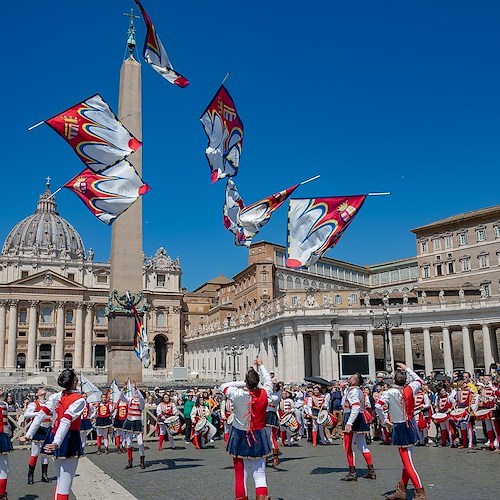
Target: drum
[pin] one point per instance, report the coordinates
(173, 424)
(230, 419)
(459, 414)
(290, 422)
(485, 414)
(201, 426)
(440, 417)
(327, 419)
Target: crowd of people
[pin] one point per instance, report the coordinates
(258, 418)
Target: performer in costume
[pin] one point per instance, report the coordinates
(200, 410)
(444, 406)
(103, 423)
(5, 444)
(286, 407)
(355, 428)
(36, 445)
(272, 421)
(467, 400)
(249, 441)
(227, 418)
(86, 421)
(319, 401)
(164, 410)
(399, 401)
(119, 417)
(133, 424)
(64, 440)
(487, 406)
(421, 415)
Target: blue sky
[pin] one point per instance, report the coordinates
(374, 96)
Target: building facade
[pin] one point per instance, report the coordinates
(53, 298)
(299, 321)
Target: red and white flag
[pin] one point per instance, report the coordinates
(231, 211)
(316, 225)
(109, 193)
(155, 54)
(224, 130)
(94, 132)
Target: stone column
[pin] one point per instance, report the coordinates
(3, 305)
(288, 361)
(314, 354)
(87, 353)
(447, 355)
(352, 343)
(77, 362)
(301, 369)
(280, 370)
(408, 349)
(429, 367)
(59, 352)
(32, 312)
(327, 344)
(12, 335)
(335, 360)
(488, 357)
(370, 347)
(468, 361)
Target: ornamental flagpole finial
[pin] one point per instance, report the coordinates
(131, 43)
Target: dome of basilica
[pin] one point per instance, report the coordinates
(44, 234)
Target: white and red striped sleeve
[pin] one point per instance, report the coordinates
(71, 413)
(47, 409)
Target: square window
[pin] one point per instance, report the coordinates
(160, 280)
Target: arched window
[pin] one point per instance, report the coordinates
(21, 361)
(289, 283)
(23, 315)
(160, 319)
(281, 282)
(46, 314)
(298, 284)
(68, 360)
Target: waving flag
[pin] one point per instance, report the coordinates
(155, 54)
(224, 130)
(88, 388)
(109, 193)
(113, 392)
(316, 224)
(95, 134)
(231, 211)
(141, 345)
(257, 215)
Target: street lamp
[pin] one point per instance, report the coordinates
(387, 322)
(234, 351)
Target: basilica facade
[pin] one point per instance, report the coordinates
(53, 298)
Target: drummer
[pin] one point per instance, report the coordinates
(466, 400)
(441, 417)
(486, 413)
(199, 413)
(318, 402)
(286, 408)
(164, 410)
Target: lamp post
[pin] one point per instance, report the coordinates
(387, 322)
(234, 351)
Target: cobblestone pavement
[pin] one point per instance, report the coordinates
(304, 473)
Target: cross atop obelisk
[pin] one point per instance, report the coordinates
(126, 239)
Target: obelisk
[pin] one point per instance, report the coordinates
(126, 239)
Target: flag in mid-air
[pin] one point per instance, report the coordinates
(316, 224)
(87, 387)
(155, 54)
(109, 193)
(253, 217)
(224, 130)
(231, 211)
(95, 134)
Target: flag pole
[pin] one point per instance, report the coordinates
(54, 193)
(225, 78)
(309, 180)
(378, 194)
(36, 125)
